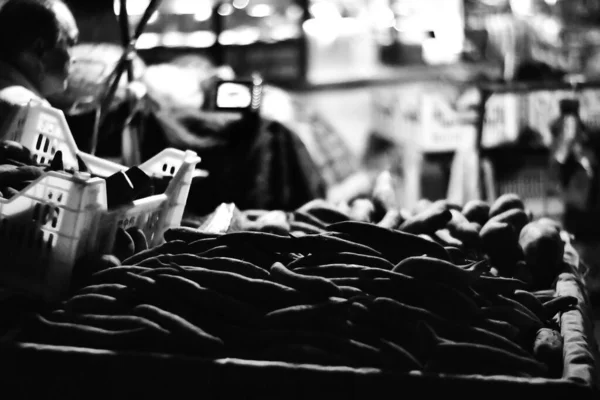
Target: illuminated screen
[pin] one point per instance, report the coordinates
(234, 95)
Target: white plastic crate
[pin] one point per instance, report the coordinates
(44, 131)
(60, 217)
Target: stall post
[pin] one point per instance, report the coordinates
(132, 131)
(303, 42)
(115, 77)
(486, 187)
(217, 25)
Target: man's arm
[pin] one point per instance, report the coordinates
(8, 110)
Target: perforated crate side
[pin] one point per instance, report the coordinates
(157, 213)
(178, 190)
(182, 169)
(44, 131)
(144, 214)
(167, 162)
(42, 229)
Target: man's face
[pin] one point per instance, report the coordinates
(57, 61)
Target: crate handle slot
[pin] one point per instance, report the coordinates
(38, 143)
(40, 242)
(50, 243)
(36, 212)
(56, 213)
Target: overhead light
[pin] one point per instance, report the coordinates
(153, 18)
(173, 39)
(148, 40)
(325, 11)
(134, 7)
(241, 4)
(494, 3)
(323, 32)
(383, 17)
(203, 13)
(183, 7)
(294, 12)
(201, 39)
(225, 9)
(522, 7)
(260, 11)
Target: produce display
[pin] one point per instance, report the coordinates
(442, 289)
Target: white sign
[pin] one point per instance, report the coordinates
(431, 121)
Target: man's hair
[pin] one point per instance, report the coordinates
(26, 23)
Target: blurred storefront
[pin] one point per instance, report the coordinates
(385, 72)
(299, 42)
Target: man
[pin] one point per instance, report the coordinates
(35, 39)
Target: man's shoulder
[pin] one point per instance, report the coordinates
(13, 98)
(18, 95)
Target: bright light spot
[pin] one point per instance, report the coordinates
(322, 32)
(239, 36)
(403, 9)
(552, 28)
(173, 39)
(248, 36)
(284, 32)
(134, 7)
(325, 11)
(148, 40)
(153, 18)
(551, 2)
(228, 37)
(522, 7)
(183, 7)
(203, 13)
(294, 12)
(260, 11)
(382, 17)
(493, 3)
(240, 4)
(225, 9)
(201, 39)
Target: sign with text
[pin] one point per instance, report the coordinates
(432, 121)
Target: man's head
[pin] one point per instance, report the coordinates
(36, 36)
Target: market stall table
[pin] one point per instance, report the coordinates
(34, 355)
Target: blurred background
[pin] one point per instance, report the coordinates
(460, 99)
